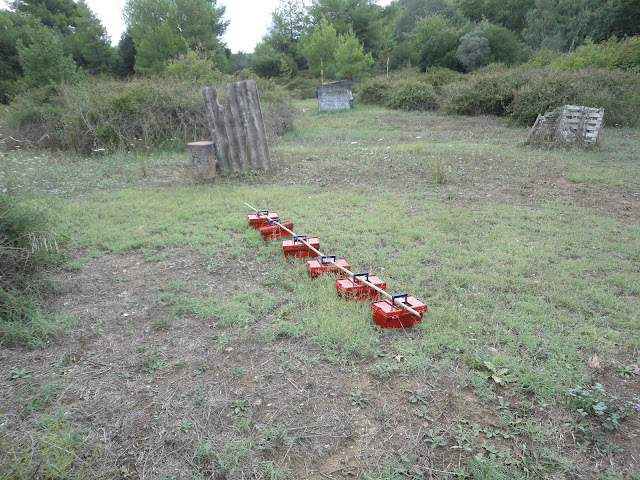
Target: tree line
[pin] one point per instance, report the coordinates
(54, 41)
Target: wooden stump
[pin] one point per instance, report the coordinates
(202, 159)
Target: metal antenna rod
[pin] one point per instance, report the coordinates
(348, 272)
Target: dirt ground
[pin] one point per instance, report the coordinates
(159, 399)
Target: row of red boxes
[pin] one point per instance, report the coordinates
(386, 313)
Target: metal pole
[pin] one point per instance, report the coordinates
(348, 272)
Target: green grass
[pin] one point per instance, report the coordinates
(544, 287)
(535, 288)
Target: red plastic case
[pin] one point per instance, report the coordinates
(295, 247)
(388, 315)
(276, 231)
(261, 218)
(322, 265)
(352, 289)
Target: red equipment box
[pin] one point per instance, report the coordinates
(295, 247)
(389, 315)
(353, 289)
(261, 218)
(273, 230)
(317, 267)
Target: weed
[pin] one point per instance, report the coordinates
(232, 454)
(438, 171)
(22, 373)
(434, 438)
(499, 375)
(271, 472)
(151, 362)
(184, 427)
(382, 370)
(272, 437)
(595, 402)
(357, 399)
(628, 371)
(240, 406)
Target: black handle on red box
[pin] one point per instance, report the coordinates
(326, 256)
(273, 220)
(405, 295)
(365, 274)
(260, 212)
(296, 238)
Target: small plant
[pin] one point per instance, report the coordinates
(357, 399)
(499, 375)
(151, 362)
(628, 371)
(595, 402)
(183, 427)
(240, 406)
(434, 438)
(438, 171)
(382, 370)
(271, 472)
(22, 373)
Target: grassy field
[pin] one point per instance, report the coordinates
(199, 351)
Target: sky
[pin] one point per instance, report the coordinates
(249, 20)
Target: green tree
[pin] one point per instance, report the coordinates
(544, 28)
(43, 61)
(89, 43)
(123, 59)
(287, 24)
(474, 50)
(412, 10)
(436, 42)
(11, 26)
(163, 29)
(269, 63)
(320, 48)
(361, 16)
(616, 18)
(238, 61)
(58, 14)
(505, 45)
(351, 61)
(84, 37)
(511, 14)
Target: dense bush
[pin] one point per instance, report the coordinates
(489, 91)
(404, 94)
(27, 247)
(616, 91)
(525, 93)
(412, 95)
(374, 91)
(612, 54)
(439, 76)
(139, 113)
(302, 88)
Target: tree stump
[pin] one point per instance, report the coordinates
(202, 159)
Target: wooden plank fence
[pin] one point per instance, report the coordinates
(237, 128)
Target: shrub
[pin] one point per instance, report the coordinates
(611, 54)
(375, 91)
(302, 88)
(440, 76)
(489, 91)
(413, 95)
(617, 92)
(525, 93)
(27, 247)
(133, 114)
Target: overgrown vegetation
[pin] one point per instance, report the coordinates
(28, 246)
(142, 113)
